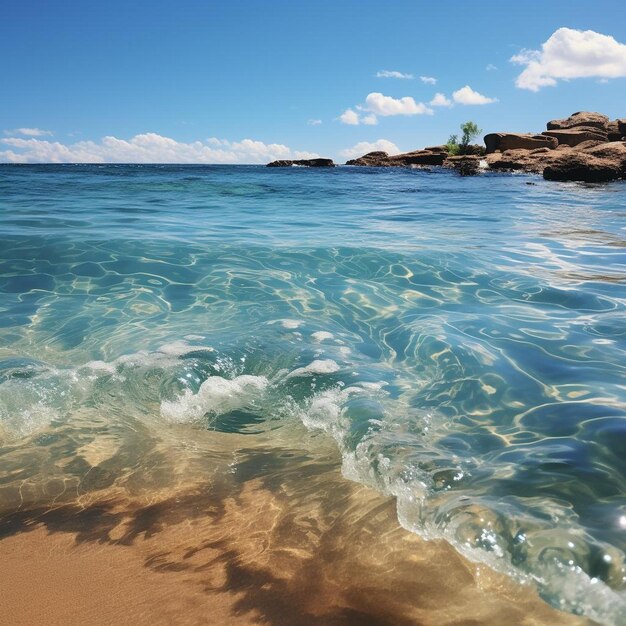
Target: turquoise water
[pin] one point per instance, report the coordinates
(462, 340)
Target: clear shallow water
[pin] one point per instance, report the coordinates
(462, 340)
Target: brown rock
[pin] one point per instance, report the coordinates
(437, 149)
(419, 157)
(513, 141)
(589, 144)
(614, 133)
(519, 159)
(303, 162)
(574, 136)
(582, 118)
(582, 166)
(621, 127)
(382, 159)
(613, 152)
(465, 165)
(377, 158)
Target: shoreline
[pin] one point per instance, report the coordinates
(333, 554)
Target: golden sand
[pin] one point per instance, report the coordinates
(301, 546)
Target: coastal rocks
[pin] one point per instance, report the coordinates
(586, 119)
(604, 161)
(613, 152)
(573, 136)
(521, 160)
(614, 132)
(303, 162)
(514, 141)
(432, 156)
(419, 157)
(585, 146)
(584, 167)
(442, 149)
(377, 158)
(465, 165)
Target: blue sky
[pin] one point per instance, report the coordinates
(265, 71)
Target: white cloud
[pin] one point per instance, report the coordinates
(29, 132)
(364, 147)
(146, 148)
(568, 54)
(393, 74)
(440, 100)
(491, 67)
(466, 95)
(370, 120)
(314, 122)
(349, 117)
(429, 80)
(382, 105)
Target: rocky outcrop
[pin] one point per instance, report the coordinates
(585, 146)
(582, 166)
(513, 141)
(303, 162)
(465, 165)
(522, 160)
(590, 162)
(613, 130)
(573, 136)
(442, 149)
(378, 158)
(419, 157)
(586, 119)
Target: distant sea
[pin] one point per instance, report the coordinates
(461, 342)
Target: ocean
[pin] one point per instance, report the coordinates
(456, 344)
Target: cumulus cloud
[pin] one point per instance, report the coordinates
(569, 54)
(363, 147)
(440, 100)
(145, 148)
(28, 132)
(393, 74)
(349, 117)
(377, 104)
(314, 122)
(466, 95)
(370, 120)
(382, 105)
(428, 80)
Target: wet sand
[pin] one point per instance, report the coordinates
(289, 542)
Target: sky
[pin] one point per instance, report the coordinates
(247, 81)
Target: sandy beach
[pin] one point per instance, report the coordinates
(293, 543)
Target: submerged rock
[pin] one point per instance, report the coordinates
(303, 162)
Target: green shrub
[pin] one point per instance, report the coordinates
(453, 145)
(470, 132)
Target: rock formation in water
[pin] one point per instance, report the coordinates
(585, 146)
(303, 162)
(435, 155)
(589, 148)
